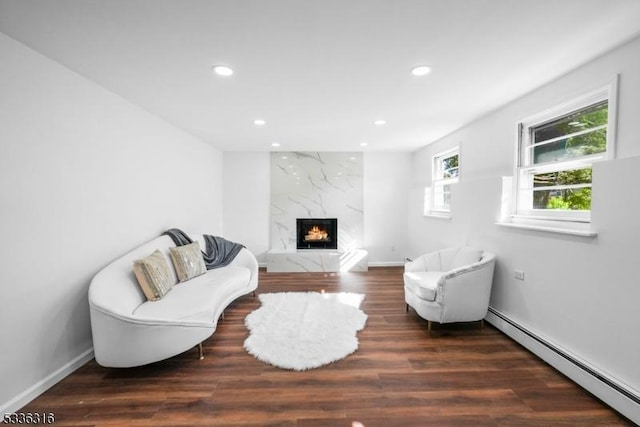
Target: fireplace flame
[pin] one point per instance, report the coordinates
(316, 234)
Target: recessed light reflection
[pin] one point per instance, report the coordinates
(420, 70)
(380, 122)
(223, 70)
(275, 144)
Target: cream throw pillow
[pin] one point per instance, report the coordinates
(154, 275)
(188, 261)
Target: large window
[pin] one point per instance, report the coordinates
(446, 171)
(556, 150)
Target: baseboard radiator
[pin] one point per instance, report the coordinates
(614, 394)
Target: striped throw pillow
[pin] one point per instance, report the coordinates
(154, 275)
(188, 261)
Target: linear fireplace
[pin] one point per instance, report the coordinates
(317, 233)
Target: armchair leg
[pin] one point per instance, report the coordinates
(407, 307)
(428, 325)
(200, 352)
(481, 324)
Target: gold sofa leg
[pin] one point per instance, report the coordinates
(428, 325)
(200, 352)
(481, 324)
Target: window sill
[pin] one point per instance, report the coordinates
(439, 215)
(573, 229)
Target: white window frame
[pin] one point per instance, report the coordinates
(525, 169)
(439, 181)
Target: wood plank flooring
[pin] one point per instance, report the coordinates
(459, 375)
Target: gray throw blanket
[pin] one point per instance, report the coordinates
(220, 251)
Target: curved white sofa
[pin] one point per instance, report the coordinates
(130, 331)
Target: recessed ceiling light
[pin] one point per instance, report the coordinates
(275, 144)
(420, 70)
(259, 122)
(380, 122)
(222, 70)
(363, 144)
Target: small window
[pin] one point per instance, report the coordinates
(556, 151)
(446, 171)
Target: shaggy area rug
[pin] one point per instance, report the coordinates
(304, 330)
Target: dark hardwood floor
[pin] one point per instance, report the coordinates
(459, 375)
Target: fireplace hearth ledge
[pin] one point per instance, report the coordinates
(316, 260)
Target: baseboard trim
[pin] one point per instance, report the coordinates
(371, 264)
(612, 392)
(386, 263)
(46, 383)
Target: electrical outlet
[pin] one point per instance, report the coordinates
(518, 274)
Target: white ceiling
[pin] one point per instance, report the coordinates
(320, 72)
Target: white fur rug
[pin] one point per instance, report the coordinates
(304, 330)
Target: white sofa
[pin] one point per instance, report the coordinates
(130, 331)
(450, 285)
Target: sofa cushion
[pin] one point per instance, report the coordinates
(423, 283)
(466, 256)
(201, 298)
(153, 275)
(188, 261)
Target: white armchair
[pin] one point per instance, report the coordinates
(450, 285)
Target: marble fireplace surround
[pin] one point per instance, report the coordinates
(316, 185)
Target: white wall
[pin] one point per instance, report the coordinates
(386, 184)
(84, 177)
(247, 196)
(580, 294)
(385, 181)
